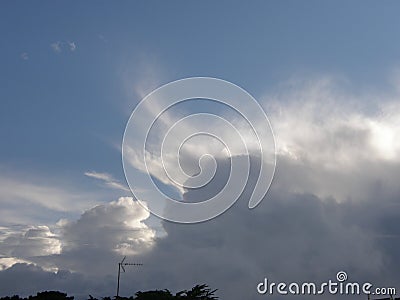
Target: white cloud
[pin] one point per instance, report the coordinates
(24, 244)
(117, 226)
(102, 38)
(333, 205)
(330, 135)
(321, 124)
(139, 78)
(8, 262)
(108, 180)
(15, 191)
(339, 147)
(24, 56)
(330, 207)
(100, 236)
(29, 242)
(72, 46)
(56, 46)
(28, 198)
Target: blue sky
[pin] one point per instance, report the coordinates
(72, 72)
(59, 110)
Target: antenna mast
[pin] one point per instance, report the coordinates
(121, 266)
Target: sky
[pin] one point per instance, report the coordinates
(327, 75)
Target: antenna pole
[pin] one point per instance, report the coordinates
(121, 266)
(119, 274)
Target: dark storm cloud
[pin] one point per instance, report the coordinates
(291, 236)
(25, 279)
(333, 205)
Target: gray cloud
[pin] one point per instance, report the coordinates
(90, 247)
(289, 237)
(32, 241)
(333, 205)
(26, 279)
(117, 226)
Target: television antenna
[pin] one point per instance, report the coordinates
(121, 266)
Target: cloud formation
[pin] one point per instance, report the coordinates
(29, 242)
(333, 205)
(100, 235)
(72, 46)
(26, 199)
(58, 46)
(117, 226)
(108, 180)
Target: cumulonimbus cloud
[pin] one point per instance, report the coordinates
(318, 127)
(333, 205)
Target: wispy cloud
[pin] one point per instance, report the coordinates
(58, 46)
(24, 56)
(28, 198)
(102, 37)
(47, 196)
(72, 46)
(108, 180)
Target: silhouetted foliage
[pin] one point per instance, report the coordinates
(11, 298)
(48, 295)
(199, 292)
(150, 295)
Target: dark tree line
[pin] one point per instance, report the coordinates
(199, 292)
(52, 295)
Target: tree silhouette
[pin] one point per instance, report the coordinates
(48, 295)
(159, 295)
(198, 292)
(51, 295)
